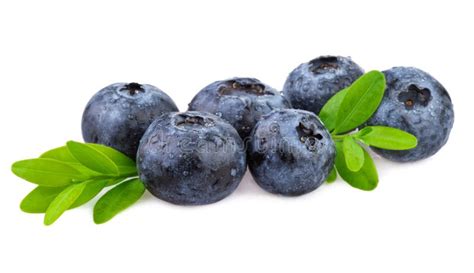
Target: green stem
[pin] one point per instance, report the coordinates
(121, 176)
(339, 137)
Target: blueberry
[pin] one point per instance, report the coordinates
(191, 158)
(290, 152)
(240, 101)
(119, 114)
(415, 102)
(312, 84)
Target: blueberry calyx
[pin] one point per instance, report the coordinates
(188, 120)
(191, 120)
(133, 88)
(233, 87)
(415, 95)
(322, 64)
(308, 136)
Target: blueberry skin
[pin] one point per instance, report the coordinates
(240, 101)
(291, 153)
(191, 158)
(312, 84)
(415, 102)
(119, 114)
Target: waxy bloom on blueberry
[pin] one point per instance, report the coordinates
(291, 152)
(240, 101)
(312, 84)
(417, 103)
(191, 158)
(119, 114)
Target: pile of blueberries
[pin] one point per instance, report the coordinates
(200, 156)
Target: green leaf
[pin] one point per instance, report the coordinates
(38, 200)
(60, 154)
(62, 202)
(47, 172)
(387, 138)
(63, 154)
(353, 153)
(117, 157)
(92, 158)
(92, 189)
(328, 113)
(360, 102)
(365, 179)
(332, 175)
(118, 199)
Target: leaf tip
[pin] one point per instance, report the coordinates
(98, 220)
(48, 221)
(22, 206)
(415, 142)
(377, 73)
(71, 142)
(13, 168)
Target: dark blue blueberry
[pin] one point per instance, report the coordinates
(415, 102)
(290, 152)
(240, 101)
(119, 114)
(191, 158)
(312, 84)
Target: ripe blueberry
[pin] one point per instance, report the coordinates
(415, 102)
(312, 84)
(240, 101)
(191, 158)
(290, 152)
(119, 114)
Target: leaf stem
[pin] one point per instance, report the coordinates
(339, 137)
(122, 176)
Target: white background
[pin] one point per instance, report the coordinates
(55, 55)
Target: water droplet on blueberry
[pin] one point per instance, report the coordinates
(274, 128)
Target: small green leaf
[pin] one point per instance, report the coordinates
(60, 154)
(328, 113)
(387, 138)
(62, 202)
(92, 158)
(353, 153)
(360, 102)
(92, 189)
(365, 179)
(47, 172)
(38, 200)
(332, 175)
(117, 199)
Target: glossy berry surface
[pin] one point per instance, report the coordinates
(312, 84)
(240, 101)
(119, 114)
(291, 152)
(415, 102)
(191, 158)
